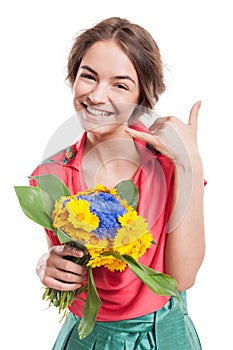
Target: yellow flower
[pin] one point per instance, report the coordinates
(113, 191)
(116, 265)
(101, 188)
(108, 261)
(124, 203)
(80, 215)
(131, 232)
(96, 242)
(76, 234)
(145, 242)
(59, 215)
(95, 252)
(128, 217)
(136, 248)
(101, 261)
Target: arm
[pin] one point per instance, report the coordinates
(185, 246)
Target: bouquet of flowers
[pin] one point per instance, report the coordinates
(105, 225)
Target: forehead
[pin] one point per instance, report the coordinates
(109, 58)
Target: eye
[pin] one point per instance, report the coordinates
(122, 86)
(87, 76)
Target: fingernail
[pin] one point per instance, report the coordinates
(128, 130)
(78, 252)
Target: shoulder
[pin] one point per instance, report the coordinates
(63, 157)
(68, 157)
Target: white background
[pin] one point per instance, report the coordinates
(195, 38)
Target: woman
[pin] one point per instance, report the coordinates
(116, 74)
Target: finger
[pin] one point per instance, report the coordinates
(193, 116)
(144, 136)
(60, 285)
(66, 250)
(69, 276)
(69, 266)
(158, 123)
(154, 140)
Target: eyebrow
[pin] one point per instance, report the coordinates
(115, 77)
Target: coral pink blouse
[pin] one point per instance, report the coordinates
(123, 295)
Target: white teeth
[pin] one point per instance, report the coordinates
(97, 112)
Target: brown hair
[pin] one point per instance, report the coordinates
(137, 44)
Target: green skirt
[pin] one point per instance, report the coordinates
(170, 328)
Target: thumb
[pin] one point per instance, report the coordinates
(193, 116)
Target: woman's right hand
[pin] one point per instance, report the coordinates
(59, 273)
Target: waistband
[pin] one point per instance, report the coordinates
(139, 324)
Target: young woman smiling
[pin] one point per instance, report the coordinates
(116, 74)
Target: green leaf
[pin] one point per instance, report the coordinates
(36, 204)
(158, 282)
(127, 190)
(91, 308)
(62, 236)
(65, 238)
(52, 185)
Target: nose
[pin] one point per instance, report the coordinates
(99, 94)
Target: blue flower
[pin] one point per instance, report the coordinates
(108, 208)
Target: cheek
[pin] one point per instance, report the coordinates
(125, 110)
(76, 103)
(77, 93)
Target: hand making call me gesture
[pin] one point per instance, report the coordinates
(185, 246)
(164, 140)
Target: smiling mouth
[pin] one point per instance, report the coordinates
(97, 113)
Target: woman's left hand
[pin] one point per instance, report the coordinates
(173, 138)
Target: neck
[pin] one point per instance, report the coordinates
(109, 159)
(94, 139)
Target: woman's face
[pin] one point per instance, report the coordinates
(106, 88)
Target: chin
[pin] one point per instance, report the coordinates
(103, 127)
